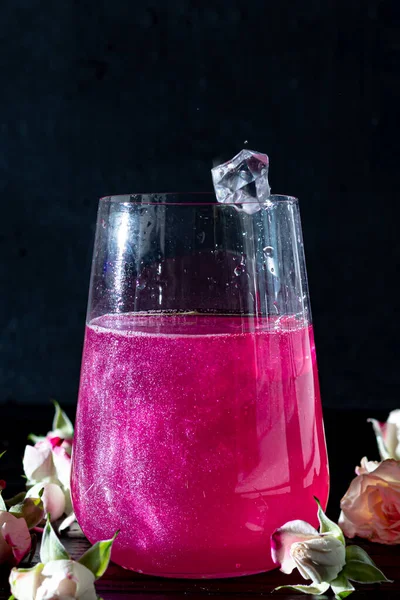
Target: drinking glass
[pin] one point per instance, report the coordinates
(199, 426)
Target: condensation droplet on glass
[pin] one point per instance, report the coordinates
(140, 285)
(243, 260)
(246, 142)
(201, 236)
(238, 565)
(103, 224)
(238, 271)
(268, 251)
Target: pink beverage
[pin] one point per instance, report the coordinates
(197, 436)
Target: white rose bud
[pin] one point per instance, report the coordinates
(55, 579)
(320, 558)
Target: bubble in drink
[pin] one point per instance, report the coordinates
(199, 435)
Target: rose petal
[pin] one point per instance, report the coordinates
(24, 583)
(38, 462)
(389, 470)
(283, 538)
(66, 578)
(16, 534)
(320, 558)
(367, 466)
(53, 498)
(62, 464)
(71, 518)
(393, 434)
(6, 554)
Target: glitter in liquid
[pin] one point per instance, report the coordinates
(197, 436)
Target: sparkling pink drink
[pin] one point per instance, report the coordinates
(197, 436)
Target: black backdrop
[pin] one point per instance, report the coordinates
(115, 96)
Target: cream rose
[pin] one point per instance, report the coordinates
(56, 579)
(371, 505)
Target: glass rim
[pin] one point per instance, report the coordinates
(146, 199)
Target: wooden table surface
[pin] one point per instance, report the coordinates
(349, 438)
(118, 583)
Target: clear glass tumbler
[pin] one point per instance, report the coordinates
(199, 426)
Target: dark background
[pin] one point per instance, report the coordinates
(115, 96)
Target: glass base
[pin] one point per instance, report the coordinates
(199, 576)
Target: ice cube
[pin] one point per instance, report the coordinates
(243, 181)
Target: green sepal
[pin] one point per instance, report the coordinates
(96, 559)
(341, 587)
(34, 568)
(61, 422)
(315, 588)
(3, 453)
(36, 438)
(30, 509)
(15, 499)
(328, 526)
(51, 548)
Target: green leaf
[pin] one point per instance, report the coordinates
(96, 559)
(3, 453)
(356, 553)
(31, 509)
(341, 587)
(2, 503)
(315, 589)
(15, 499)
(362, 572)
(51, 548)
(383, 451)
(61, 423)
(328, 526)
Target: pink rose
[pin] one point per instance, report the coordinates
(47, 466)
(371, 505)
(15, 539)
